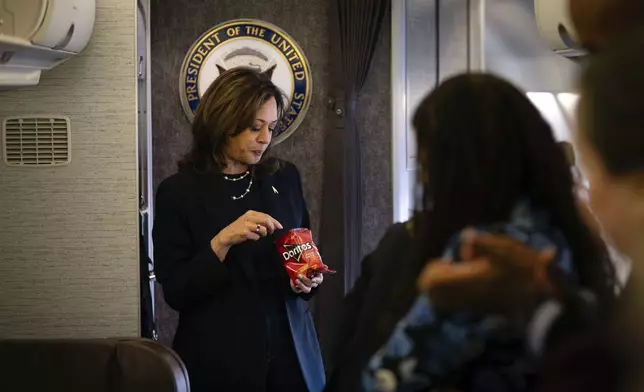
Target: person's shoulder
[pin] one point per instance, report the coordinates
(398, 234)
(178, 183)
(395, 244)
(401, 230)
(285, 169)
(286, 166)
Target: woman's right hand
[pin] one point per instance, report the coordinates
(251, 226)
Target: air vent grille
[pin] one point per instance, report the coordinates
(36, 141)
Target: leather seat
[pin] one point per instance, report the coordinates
(96, 365)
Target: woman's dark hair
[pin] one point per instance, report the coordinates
(229, 107)
(483, 147)
(569, 153)
(611, 105)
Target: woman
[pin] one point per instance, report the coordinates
(242, 326)
(484, 151)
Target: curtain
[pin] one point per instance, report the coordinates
(355, 27)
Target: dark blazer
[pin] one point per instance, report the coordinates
(220, 334)
(371, 310)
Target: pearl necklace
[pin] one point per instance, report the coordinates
(234, 179)
(237, 178)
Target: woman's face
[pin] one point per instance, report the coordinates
(248, 147)
(611, 197)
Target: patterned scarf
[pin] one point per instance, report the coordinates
(430, 350)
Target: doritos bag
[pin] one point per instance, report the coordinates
(300, 255)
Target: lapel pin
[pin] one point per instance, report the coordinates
(275, 190)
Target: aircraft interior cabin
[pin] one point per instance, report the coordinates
(250, 195)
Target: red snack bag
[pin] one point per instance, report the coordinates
(300, 255)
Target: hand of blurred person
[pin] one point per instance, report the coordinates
(497, 274)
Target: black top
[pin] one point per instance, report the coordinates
(267, 269)
(371, 310)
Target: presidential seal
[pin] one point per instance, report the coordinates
(254, 44)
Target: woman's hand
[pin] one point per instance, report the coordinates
(497, 274)
(251, 226)
(305, 285)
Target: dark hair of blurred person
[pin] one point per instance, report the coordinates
(483, 146)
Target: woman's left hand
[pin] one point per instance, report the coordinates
(304, 285)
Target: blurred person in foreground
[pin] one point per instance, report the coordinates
(488, 161)
(610, 139)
